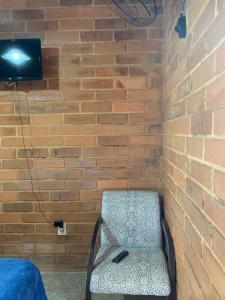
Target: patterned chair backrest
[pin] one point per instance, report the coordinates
(131, 219)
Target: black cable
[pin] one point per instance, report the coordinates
(25, 151)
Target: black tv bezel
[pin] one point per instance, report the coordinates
(19, 78)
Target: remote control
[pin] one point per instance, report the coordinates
(120, 256)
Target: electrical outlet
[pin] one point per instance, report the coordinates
(62, 231)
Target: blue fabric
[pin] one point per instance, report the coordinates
(20, 280)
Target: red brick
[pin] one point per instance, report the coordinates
(47, 141)
(201, 123)
(49, 248)
(80, 163)
(76, 24)
(218, 182)
(144, 94)
(74, 2)
(214, 270)
(201, 222)
(200, 272)
(219, 122)
(147, 46)
(7, 153)
(214, 294)
(130, 151)
(80, 141)
(214, 151)
(197, 53)
(65, 196)
(97, 173)
(112, 184)
(96, 107)
(127, 83)
(17, 207)
(111, 71)
(98, 59)
(22, 14)
(69, 49)
(81, 184)
(194, 146)
(195, 238)
(15, 164)
(112, 118)
(78, 72)
(203, 73)
(129, 173)
(110, 23)
(130, 129)
(201, 173)
(194, 191)
(97, 130)
(35, 174)
(19, 228)
(58, 37)
(220, 64)
(41, 3)
(19, 249)
(74, 12)
(113, 140)
(97, 83)
(215, 208)
(97, 152)
(94, 36)
(49, 163)
(137, 34)
(218, 244)
(111, 95)
(46, 119)
(215, 32)
(215, 93)
(65, 130)
(43, 25)
(13, 120)
(130, 106)
(145, 140)
(180, 126)
(76, 119)
(110, 47)
(153, 184)
(66, 174)
(204, 21)
(148, 117)
(66, 152)
(13, 4)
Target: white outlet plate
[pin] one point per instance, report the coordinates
(62, 231)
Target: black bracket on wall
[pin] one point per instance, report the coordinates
(181, 27)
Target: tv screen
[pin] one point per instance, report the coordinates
(20, 59)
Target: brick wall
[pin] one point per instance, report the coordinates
(193, 161)
(95, 124)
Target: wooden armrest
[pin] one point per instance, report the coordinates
(168, 248)
(92, 254)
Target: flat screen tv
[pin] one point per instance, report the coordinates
(20, 59)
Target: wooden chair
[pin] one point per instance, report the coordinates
(133, 221)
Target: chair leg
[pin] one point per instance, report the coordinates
(88, 294)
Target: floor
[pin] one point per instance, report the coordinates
(69, 286)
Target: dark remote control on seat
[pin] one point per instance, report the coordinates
(120, 256)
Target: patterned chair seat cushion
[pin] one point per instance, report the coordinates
(142, 272)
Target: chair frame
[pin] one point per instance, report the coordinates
(168, 249)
